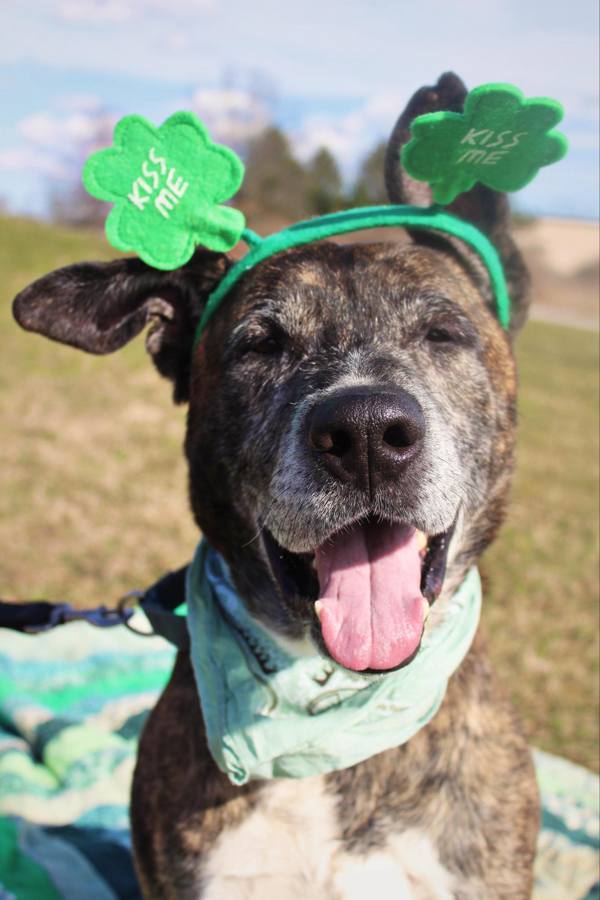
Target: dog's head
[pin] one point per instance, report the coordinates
(351, 411)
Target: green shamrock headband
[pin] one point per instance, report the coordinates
(168, 184)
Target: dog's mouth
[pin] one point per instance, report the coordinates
(371, 586)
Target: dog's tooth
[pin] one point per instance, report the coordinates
(421, 540)
(426, 609)
(318, 609)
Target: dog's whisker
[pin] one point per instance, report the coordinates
(260, 529)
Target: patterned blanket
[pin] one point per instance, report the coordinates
(72, 704)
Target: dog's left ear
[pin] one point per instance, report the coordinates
(99, 307)
(485, 208)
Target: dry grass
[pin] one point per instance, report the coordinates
(93, 498)
(542, 607)
(93, 492)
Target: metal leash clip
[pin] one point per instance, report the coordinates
(128, 612)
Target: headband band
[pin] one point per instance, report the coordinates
(430, 219)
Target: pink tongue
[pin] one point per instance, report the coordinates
(372, 607)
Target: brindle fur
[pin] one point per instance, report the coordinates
(419, 316)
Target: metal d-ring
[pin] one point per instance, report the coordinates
(121, 607)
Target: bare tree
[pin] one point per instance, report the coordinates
(68, 202)
(238, 109)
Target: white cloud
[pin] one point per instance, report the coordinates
(232, 116)
(57, 144)
(70, 134)
(94, 12)
(106, 12)
(175, 41)
(32, 160)
(41, 129)
(79, 102)
(351, 136)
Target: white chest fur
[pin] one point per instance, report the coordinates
(288, 848)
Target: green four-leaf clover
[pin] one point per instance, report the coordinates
(167, 185)
(500, 140)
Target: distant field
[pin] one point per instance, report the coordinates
(93, 496)
(563, 258)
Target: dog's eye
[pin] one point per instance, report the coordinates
(266, 346)
(458, 333)
(259, 339)
(440, 335)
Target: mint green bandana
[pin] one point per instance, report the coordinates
(269, 714)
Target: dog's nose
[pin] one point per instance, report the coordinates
(365, 435)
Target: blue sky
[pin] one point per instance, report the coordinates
(334, 72)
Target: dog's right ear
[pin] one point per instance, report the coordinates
(99, 307)
(483, 207)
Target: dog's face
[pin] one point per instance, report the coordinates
(350, 430)
(351, 411)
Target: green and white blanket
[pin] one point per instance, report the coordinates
(72, 704)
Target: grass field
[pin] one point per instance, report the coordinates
(93, 496)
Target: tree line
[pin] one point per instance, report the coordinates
(276, 182)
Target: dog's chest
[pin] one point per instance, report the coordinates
(289, 848)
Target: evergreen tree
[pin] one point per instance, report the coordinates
(369, 187)
(324, 183)
(275, 182)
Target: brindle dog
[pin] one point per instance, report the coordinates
(338, 387)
